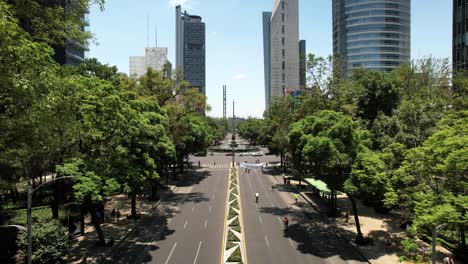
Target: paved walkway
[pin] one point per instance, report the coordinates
(85, 250)
(376, 226)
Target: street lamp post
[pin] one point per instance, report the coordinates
(233, 133)
(435, 233)
(29, 213)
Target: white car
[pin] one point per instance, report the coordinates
(258, 154)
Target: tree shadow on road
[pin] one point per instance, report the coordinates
(313, 235)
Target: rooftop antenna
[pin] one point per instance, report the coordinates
(156, 37)
(147, 30)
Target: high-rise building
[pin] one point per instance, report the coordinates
(372, 34)
(266, 56)
(190, 49)
(154, 58)
(460, 35)
(283, 59)
(302, 64)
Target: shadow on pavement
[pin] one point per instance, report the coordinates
(312, 234)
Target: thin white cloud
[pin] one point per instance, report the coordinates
(239, 76)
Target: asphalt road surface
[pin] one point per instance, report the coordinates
(187, 227)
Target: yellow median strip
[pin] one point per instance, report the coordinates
(233, 245)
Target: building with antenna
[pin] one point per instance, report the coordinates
(155, 58)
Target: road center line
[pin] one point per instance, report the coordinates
(290, 241)
(209, 209)
(268, 243)
(193, 208)
(259, 217)
(206, 222)
(170, 254)
(198, 251)
(186, 222)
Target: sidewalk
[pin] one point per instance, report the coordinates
(377, 227)
(84, 248)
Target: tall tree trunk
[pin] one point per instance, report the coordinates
(55, 202)
(134, 213)
(97, 227)
(360, 237)
(462, 236)
(282, 161)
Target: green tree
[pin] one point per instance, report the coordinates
(89, 191)
(379, 93)
(50, 243)
(250, 130)
(432, 182)
(328, 143)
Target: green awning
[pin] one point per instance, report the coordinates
(320, 185)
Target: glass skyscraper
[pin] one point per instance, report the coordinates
(190, 49)
(460, 35)
(372, 34)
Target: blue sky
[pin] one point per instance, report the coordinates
(234, 39)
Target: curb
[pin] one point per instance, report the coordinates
(335, 228)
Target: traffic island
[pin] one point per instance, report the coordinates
(233, 239)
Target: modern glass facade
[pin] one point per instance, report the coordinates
(266, 56)
(190, 49)
(373, 34)
(460, 35)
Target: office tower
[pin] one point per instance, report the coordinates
(302, 64)
(266, 55)
(190, 49)
(283, 60)
(460, 35)
(154, 58)
(372, 34)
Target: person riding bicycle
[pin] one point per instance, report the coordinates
(256, 197)
(286, 222)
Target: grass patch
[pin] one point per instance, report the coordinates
(236, 228)
(232, 213)
(235, 190)
(236, 256)
(231, 237)
(230, 245)
(39, 214)
(232, 197)
(235, 223)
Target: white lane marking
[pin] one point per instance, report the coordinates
(193, 208)
(206, 222)
(279, 219)
(209, 209)
(267, 242)
(198, 251)
(261, 222)
(170, 254)
(186, 222)
(290, 241)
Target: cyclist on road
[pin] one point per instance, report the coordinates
(256, 197)
(286, 222)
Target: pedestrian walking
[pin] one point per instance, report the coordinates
(448, 260)
(199, 164)
(295, 197)
(347, 216)
(284, 179)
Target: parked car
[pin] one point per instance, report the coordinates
(229, 154)
(258, 154)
